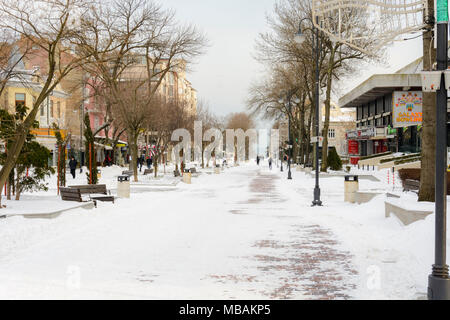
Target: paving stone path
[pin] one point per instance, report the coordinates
(306, 263)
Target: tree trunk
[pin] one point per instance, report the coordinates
(301, 136)
(134, 154)
(18, 188)
(326, 124)
(10, 184)
(308, 136)
(427, 176)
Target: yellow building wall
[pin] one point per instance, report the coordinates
(8, 100)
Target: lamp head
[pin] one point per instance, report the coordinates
(300, 37)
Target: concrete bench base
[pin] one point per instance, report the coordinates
(55, 214)
(407, 217)
(365, 197)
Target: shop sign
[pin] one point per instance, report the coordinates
(366, 133)
(407, 109)
(353, 147)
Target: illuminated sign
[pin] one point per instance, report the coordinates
(407, 109)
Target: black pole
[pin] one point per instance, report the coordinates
(317, 201)
(439, 281)
(281, 152)
(290, 146)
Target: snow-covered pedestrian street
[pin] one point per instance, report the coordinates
(247, 233)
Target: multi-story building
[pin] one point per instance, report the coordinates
(24, 89)
(341, 121)
(389, 113)
(174, 87)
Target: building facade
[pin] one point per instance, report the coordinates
(388, 113)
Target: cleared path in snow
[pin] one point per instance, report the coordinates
(232, 235)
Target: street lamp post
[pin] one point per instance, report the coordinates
(439, 280)
(300, 38)
(289, 109)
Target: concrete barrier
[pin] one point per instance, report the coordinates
(365, 196)
(406, 216)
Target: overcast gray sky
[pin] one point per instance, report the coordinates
(223, 76)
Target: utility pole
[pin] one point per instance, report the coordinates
(439, 281)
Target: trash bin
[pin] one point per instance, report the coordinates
(351, 186)
(217, 169)
(187, 176)
(123, 186)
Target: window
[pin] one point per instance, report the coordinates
(331, 133)
(372, 107)
(379, 122)
(388, 103)
(380, 106)
(96, 122)
(20, 99)
(51, 109)
(58, 109)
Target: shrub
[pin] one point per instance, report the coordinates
(334, 161)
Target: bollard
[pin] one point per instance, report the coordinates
(351, 186)
(123, 186)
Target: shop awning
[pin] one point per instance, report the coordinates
(379, 85)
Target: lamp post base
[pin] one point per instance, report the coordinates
(438, 288)
(317, 202)
(289, 175)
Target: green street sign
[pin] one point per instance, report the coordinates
(442, 11)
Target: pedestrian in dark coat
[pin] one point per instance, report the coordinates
(73, 166)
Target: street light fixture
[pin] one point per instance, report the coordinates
(290, 144)
(300, 38)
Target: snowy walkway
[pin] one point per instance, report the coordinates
(248, 233)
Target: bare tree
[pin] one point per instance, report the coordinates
(49, 26)
(278, 47)
(244, 121)
(209, 121)
(143, 44)
(428, 174)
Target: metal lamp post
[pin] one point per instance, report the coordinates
(300, 38)
(439, 280)
(290, 145)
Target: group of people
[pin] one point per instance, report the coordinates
(258, 160)
(142, 159)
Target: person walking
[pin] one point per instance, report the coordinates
(73, 166)
(270, 163)
(257, 160)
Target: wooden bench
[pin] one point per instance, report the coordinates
(127, 173)
(148, 171)
(99, 192)
(69, 194)
(411, 185)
